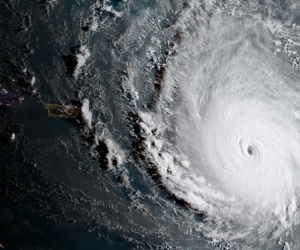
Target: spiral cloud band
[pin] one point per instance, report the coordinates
(228, 117)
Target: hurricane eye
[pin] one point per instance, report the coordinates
(251, 150)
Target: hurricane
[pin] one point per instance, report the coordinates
(149, 124)
(224, 131)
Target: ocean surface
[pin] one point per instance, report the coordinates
(178, 124)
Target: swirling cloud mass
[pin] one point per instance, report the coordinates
(228, 121)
